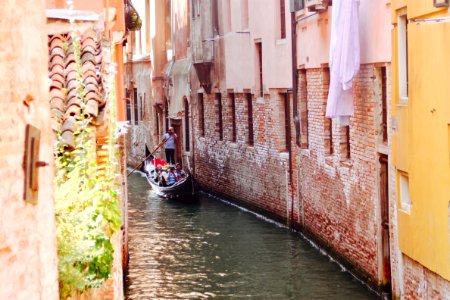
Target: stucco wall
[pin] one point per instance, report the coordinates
(138, 75)
(313, 31)
(421, 138)
(240, 52)
(27, 232)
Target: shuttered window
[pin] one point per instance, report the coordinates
(282, 19)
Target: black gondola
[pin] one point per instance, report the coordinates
(183, 189)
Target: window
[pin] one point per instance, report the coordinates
(157, 120)
(233, 116)
(384, 129)
(219, 115)
(195, 8)
(303, 95)
(328, 136)
(215, 16)
(344, 144)
(142, 107)
(283, 19)
(166, 113)
(297, 5)
(128, 103)
(244, 14)
(147, 26)
(403, 58)
(259, 68)
(136, 108)
(405, 198)
(168, 29)
(186, 126)
(201, 115)
(250, 118)
(287, 121)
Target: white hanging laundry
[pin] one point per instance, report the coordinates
(344, 59)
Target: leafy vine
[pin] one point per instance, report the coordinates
(86, 201)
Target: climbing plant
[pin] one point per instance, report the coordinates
(86, 202)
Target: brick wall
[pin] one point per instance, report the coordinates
(338, 195)
(334, 194)
(256, 175)
(28, 257)
(421, 283)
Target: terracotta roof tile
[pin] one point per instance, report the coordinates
(68, 140)
(71, 75)
(63, 72)
(73, 110)
(88, 56)
(69, 124)
(90, 80)
(92, 108)
(54, 76)
(57, 103)
(73, 101)
(55, 93)
(92, 96)
(57, 69)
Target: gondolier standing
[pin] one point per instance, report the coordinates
(170, 137)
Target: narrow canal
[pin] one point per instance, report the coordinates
(216, 250)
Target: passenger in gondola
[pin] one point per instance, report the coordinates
(172, 177)
(179, 173)
(160, 176)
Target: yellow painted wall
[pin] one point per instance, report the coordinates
(421, 145)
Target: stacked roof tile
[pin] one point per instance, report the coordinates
(69, 83)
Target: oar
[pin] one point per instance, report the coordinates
(157, 147)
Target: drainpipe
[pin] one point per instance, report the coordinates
(295, 76)
(294, 107)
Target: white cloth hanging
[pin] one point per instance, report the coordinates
(344, 59)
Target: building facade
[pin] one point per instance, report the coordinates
(157, 78)
(245, 83)
(420, 147)
(242, 102)
(27, 225)
(34, 83)
(342, 171)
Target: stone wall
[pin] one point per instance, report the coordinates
(28, 256)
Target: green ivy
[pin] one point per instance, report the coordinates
(86, 205)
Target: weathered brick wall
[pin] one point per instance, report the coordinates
(421, 283)
(28, 257)
(256, 175)
(338, 196)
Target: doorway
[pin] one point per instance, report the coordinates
(176, 124)
(384, 216)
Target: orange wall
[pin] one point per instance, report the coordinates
(28, 259)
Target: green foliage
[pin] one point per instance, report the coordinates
(87, 207)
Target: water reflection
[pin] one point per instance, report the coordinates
(214, 250)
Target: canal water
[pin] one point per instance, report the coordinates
(213, 249)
